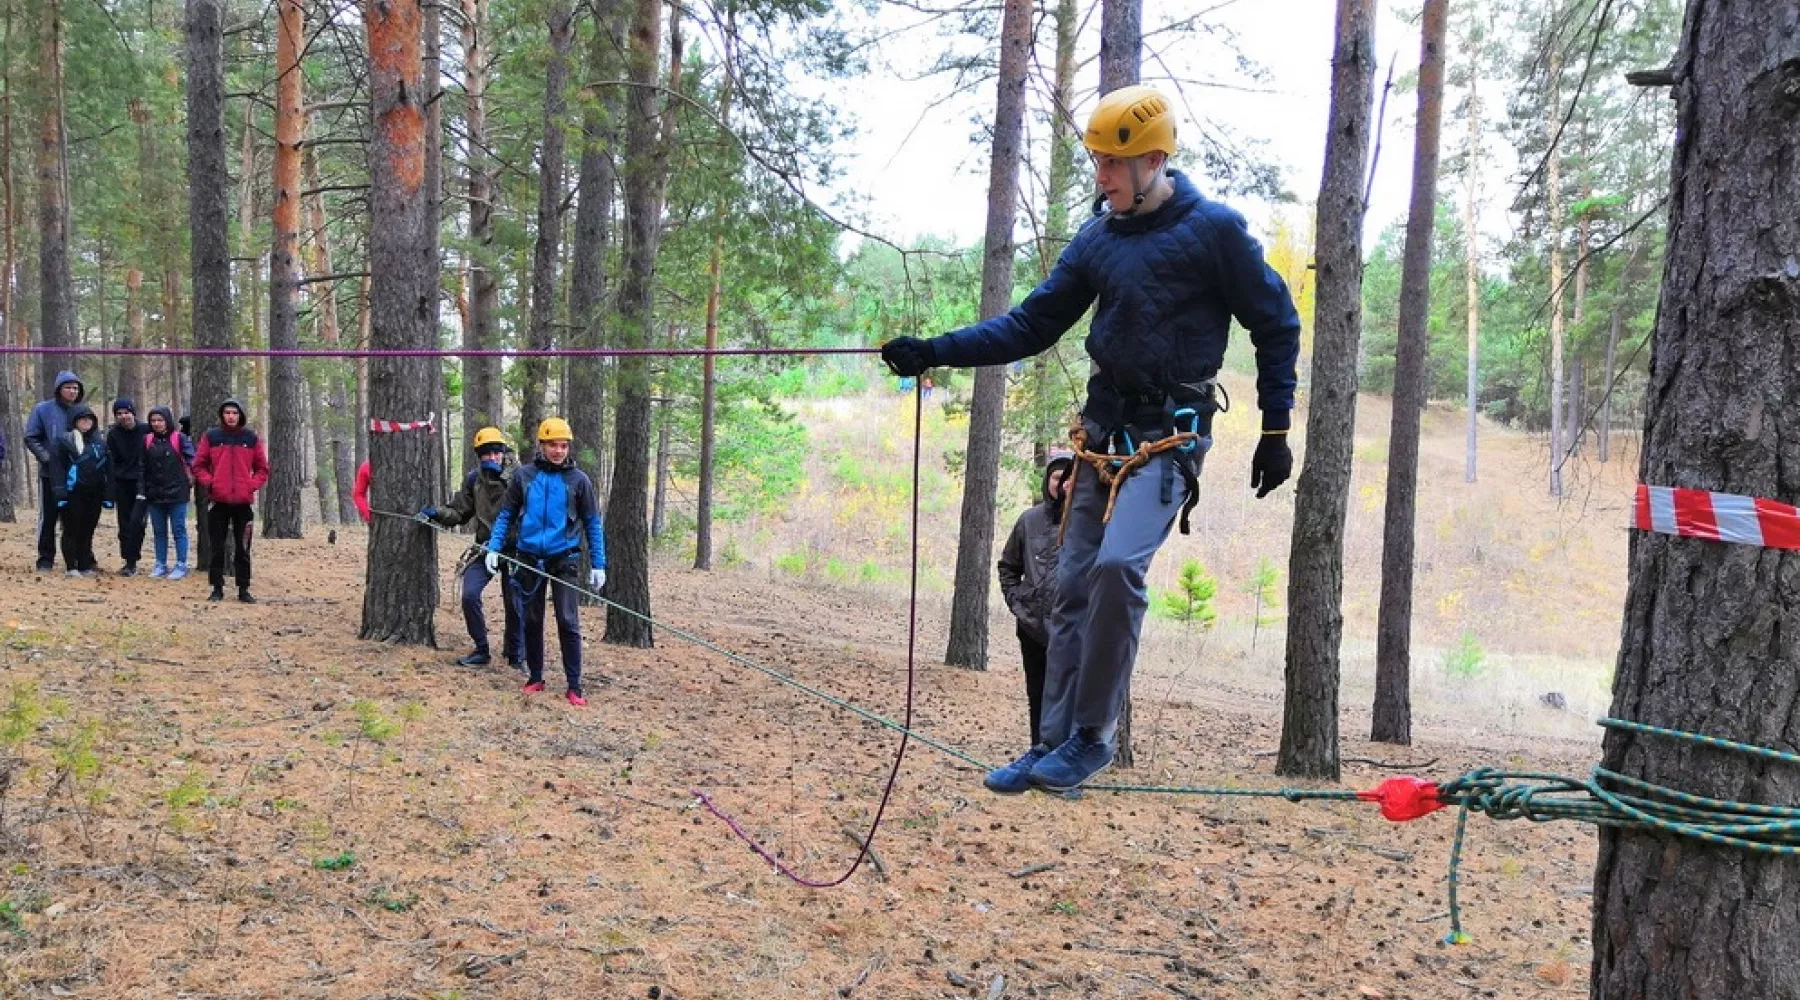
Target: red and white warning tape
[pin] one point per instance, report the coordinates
(390, 426)
(1719, 517)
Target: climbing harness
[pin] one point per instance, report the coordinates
(1187, 431)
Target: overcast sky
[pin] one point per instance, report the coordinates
(921, 172)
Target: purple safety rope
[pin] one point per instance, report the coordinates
(912, 623)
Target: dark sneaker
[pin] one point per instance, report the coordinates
(130, 569)
(1015, 778)
(46, 567)
(533, 687)
(245, 596)
(1073, 764)
(218, 594)
(576, 699)
(518, 665)
(475, 659)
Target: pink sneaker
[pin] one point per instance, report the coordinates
(535, 687)
(576, 699)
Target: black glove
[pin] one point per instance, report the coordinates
(1272, 465)
(908, 356)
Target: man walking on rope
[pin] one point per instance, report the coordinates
(483, 491)
(1170, 269)
(551, 503)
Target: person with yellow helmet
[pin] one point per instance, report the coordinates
(549, 505)
(1167, 270)
(479, 500)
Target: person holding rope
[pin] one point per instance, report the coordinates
(1169, 268)
(480, 499)
(550, 503)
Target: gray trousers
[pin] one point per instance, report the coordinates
(1101, 597)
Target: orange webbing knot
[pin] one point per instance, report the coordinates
(1103, 464)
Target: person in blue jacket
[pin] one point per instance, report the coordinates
(551, 505)
(1169, 269)
(48, 422)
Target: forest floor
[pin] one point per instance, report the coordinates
(221, 800)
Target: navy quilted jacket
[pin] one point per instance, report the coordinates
(1168, 284)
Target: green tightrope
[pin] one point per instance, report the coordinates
(1606, 798)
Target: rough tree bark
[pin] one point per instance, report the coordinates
(209, 229)
(56, 293)
(1393, 648)
(1709, 637)
(597, 176)
(281, 509)
(1309, 725)
(981, 471)
(646, 174)
(482, 394)
(401, 594)
(549, 220)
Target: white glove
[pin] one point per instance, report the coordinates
(493, 563)
(596, 579)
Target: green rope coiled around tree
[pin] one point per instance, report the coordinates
(1609, 798)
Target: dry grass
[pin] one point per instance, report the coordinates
(231, 801)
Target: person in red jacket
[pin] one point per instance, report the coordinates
(360, 494)
(232, 466)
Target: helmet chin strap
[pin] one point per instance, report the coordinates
(1140, 187)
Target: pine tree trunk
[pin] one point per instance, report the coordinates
(1554, 214)
(364, 340)
(209, 227)
(1309, 730)
(15, 482)
(1393, 657)
(659, 500)
(318, 416)
(1603, 434)
(709, 390)
(981, 473)
(334, 420)
(56, 296)
(646, 173)
(281, 508)
(401, 595)
(593, 235)
(131, 379)
(432, 71)
(549, 220)
(1709, 631)
(1472, 267)
(1121, 43)
(483, 402)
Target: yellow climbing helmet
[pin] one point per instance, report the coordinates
(555, 429)
(1131, 121)
(489, 436)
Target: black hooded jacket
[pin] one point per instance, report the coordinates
(126, 447)
(1028, 562)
